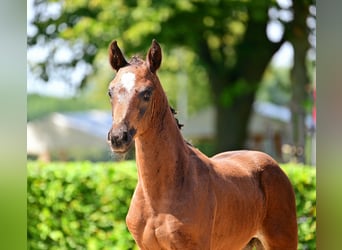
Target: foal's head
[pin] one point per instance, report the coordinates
(136, 96)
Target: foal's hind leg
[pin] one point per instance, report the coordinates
(279, 227)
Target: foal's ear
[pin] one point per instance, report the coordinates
(116, 57)
(154, 56)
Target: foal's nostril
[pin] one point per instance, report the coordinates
(115, 140)
(119, 139)
(119, 136)
(124, 136)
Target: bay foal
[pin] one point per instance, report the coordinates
(183, 199)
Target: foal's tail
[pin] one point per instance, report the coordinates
(279, 227)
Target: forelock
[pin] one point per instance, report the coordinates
(135, 60)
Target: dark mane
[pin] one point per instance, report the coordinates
(174, 112)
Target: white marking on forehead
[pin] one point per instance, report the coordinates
(128, 81)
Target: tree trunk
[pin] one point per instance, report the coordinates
(299, 78)
(299, 81)
(232, 123)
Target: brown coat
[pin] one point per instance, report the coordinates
(183, 199)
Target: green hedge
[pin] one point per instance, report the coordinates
(303, 180)
(79, 205)
(82, 205)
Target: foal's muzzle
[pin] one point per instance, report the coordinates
(120, 138)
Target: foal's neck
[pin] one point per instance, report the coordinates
(161, 155)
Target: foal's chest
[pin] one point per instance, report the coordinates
(165, 231)
(162, 231)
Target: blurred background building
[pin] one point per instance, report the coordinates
(82, 135)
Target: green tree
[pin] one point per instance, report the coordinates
(226, 38)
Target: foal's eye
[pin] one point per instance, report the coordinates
(146, 95)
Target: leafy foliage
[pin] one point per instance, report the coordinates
(303, 180)
(82, 205)
(275, 87)
(79, 205)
